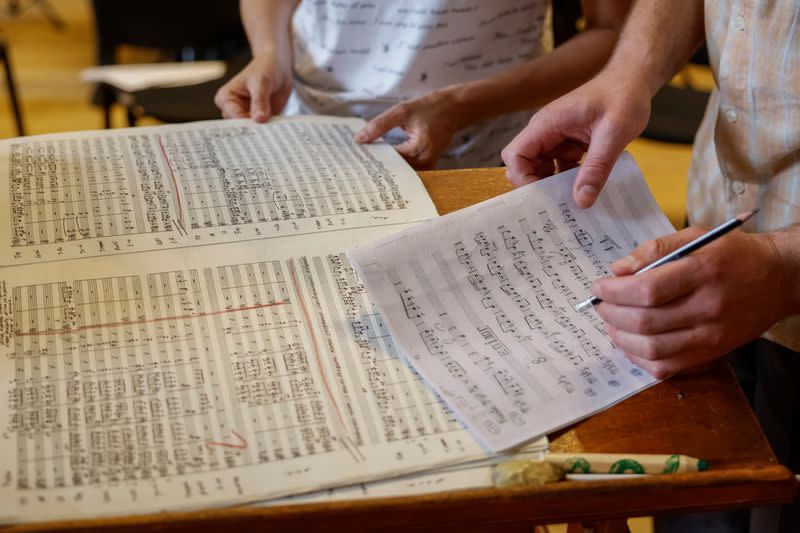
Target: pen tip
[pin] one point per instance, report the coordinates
(744, 217)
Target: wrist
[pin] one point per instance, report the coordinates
(459, 103)
(786, 246)
(272, 48)
(468, 103)
(629, 76)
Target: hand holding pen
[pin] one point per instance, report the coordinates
(684, 250)
(690, 311)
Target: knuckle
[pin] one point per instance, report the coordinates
(649, 349)
(219, 96)
(648, 293)
(659, 371)
(641, 322)
(614, 121)
(506, 154)
(715, 308)
(402, 110)
(658, 247)
(710, 267)
(648, 249)
(597, 165)
(713, 337)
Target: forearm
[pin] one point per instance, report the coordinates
(787, 246)
(658, 39)
(267, 24)
(547, 77)
(536, 82)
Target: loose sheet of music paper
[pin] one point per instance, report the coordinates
(107, 192)
(204, 376)
(481, 301)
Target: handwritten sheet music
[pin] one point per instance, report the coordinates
(481, 301)
(106, 192)
(203, 377)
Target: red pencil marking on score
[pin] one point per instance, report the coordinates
(314, 344)
(172, 175)
(241, 446)
(147, 320)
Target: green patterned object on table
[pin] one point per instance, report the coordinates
(626, 466)
(577, 465)
(672, 464)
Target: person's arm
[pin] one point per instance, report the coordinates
(431, 120)
(689, 311)
(266, 23)
(658, 40)
(262, 88)
(602, 116)
(548, 76)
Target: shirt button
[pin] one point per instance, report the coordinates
(740, 23)
(738, 188)
(731, 115)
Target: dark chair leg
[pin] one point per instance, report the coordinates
(12, 89)
(132, 118)
(107, 116)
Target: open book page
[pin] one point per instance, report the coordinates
(481, 301)
(115, 191)
(204, 376)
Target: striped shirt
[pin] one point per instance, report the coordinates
(747, 150)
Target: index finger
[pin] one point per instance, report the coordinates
(652, 288)
(392, 117)
(233, 108)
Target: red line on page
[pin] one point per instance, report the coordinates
(314, 344)
(241, 446)
(172, 175)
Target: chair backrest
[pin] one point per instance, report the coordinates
(566, 14)
(212, 28)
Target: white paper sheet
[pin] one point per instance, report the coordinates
(100, 193)
(202, 377)
(447, 479)
(144, 76)
(480, 302)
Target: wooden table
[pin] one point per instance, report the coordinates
(703, 415)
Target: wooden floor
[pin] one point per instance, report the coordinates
(47, 63)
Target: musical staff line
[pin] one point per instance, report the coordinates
(64, 331)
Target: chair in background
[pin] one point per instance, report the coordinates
(566, 14)
(677, 111)
(15, 8)
(182, 30)
(11, 86)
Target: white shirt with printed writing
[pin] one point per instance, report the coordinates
(358, 58)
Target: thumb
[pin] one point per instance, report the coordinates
(650, 251)
(391, 118)
(604, 149)
(259, 89)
